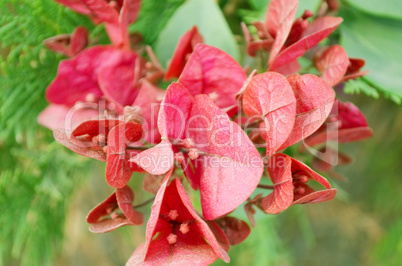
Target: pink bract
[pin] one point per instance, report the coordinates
(182, 235)
(213, 72)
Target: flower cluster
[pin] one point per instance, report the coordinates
(217, 127)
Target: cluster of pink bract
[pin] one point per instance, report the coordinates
(205, 128)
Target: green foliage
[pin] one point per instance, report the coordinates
(357, 86)
(263, 246)
(153, 17)
(35, 187)
(389, 249)
(210, 21)
(36, 179)
(377, 40)
(390, 8)
(27, 67)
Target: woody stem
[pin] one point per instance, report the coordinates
(141, 148)
(143, 203)
(265, 186)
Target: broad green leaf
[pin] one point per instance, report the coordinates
(210, 22)
(153, 17)
(388, 8)
(259, 4)
(377, 40)
(311, 5)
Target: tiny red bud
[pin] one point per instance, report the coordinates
(99, 140)
(114, 216)
(193, 154)
(172, 239)
(173, 214)
(300, 190)
(91, 98)
(307, 14)
(301, 178)
(213, 96)
(109, 210)
(184, 228)
(188, 143)
(148, 65)
(179, 157)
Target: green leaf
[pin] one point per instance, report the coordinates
(259, 4)
(311, 5)
(390, 8)
(210, 22)
(376, 40)
(153, 17)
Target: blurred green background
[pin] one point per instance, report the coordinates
(46, 190)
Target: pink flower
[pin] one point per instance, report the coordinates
(105, 140)
(229, 172)
(122, 200)
(289, 178)
(176, 234)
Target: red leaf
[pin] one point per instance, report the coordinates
(148, 100)
(312, 196)
(349, 115)
(117, 78)
(102, 11)
(186, 237)
(213, 72)
(125, 198)
(250, 212)
(314, 100)
(289, 188)
(156, 160)
(281, 198)
(351, 126)
(279, 20)
(79, 40)
(95, 127)
(333, 64)
(59, 44)
(219, 234)
(235, 230)
(298, 27)
(270, 96)
(355, 64)
(79, 76)
(118, 172)
(98, 10)
(290, 68)
(129, 11)
(121, 198)
(68, 45)
(231, 167)
(319, 29)
(83, 146)
(184, 48)
(175, 111)
(341, 135)
(103, 209)
(300, 167)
